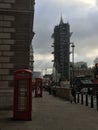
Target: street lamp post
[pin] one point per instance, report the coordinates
(73, 46)
(46, 71)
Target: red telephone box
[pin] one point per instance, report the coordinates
(22, 94)
(38, 87)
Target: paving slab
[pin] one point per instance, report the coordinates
(53, 113)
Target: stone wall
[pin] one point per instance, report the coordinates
(63, 93)
(6, 100)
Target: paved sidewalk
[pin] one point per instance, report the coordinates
(53, 113)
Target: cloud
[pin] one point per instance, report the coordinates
(43, 61)
(41, 57)
(82, 16)
(91, 54)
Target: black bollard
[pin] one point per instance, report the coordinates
(78, 98)
(92, 102)
(81, 98)
(86, 97)
(97, 101)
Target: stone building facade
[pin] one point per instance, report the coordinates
(16, 34)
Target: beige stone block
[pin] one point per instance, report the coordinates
(11, 77)
(6, 100)
(7, 18)
(12, 30)
(5, 23)
(5, 5)
(7, 65)
(1, 17)
(7, 1)
(5, 47)
(10, 18)
(3, 83)
(7, 41)
(4, 71)
(4, 59)
(1, 29)
(8, 30)
(5, 35)
(6, 77)
(8, 53)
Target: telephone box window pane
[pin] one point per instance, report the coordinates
(22, 97)
(38, 87)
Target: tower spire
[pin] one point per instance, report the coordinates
(61, 20)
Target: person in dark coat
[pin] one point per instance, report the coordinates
(73, 92)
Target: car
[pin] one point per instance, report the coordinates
(84, 90)
(84, 85)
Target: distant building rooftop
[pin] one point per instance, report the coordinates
(37, 74)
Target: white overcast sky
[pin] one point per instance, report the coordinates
(82, 15)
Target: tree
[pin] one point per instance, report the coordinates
(96, 60)
(81, 65)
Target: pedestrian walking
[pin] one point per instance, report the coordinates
(73, 93)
